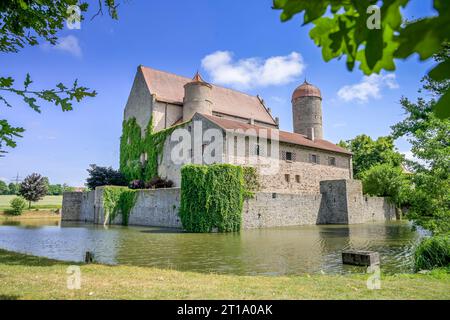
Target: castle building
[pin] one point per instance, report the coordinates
(303, 178)
(305, 157)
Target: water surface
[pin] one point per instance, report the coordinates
(275, 251)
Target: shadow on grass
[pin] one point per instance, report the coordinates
(19, 259)
(9, 297)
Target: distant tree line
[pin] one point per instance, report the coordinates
(52, 189)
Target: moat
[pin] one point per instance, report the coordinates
(278, 251)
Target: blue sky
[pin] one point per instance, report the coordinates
(176, 36)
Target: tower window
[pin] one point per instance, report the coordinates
(287, 177)
(297, 178)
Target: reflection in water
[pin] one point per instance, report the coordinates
(291, 250)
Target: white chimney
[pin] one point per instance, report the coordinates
(310, 134)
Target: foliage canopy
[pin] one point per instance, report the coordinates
(345, 33)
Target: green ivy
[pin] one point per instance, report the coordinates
(251, 181)
(118, 200)
(133, 144)
(130, 150)
(211, 197)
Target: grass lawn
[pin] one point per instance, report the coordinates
(49, 202)
(28, 277)
(42, 215)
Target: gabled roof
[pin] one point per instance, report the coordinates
(169, 88)
(284, 136)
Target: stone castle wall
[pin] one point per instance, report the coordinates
(341, 202)
(157, 208)
(267, 210)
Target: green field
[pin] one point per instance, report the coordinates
(29, 277)
(49, 202)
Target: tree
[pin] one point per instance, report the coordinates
(25, 23)
(3, 187)
(384, 180)
(103, 176)
(33, 188)
(55, 189)
(368, 152)
(375, 36)
(13, 188)
(429, 137)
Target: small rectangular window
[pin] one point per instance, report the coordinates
(287, 177)
(288, 156)
(297, 178)
(314, 158)
(332, 161)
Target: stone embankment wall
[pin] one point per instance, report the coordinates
(340, 202)
(153, 208)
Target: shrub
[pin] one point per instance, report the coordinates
(17, 206)
(103, 176)
(137, 184)
(432, 253)
(211, 198)
(158, 183)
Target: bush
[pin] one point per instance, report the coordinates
(158, 183)
(433, 253)
(103, 176)
(211, 198)
(137, 184)
(17, 206)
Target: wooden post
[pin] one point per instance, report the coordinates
(89, 257)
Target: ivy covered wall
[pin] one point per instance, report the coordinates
(118, 201)
(133, 145)
(211, 197)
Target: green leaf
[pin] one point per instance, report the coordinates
(374, 47)
(441, 71)
(27, 81)
(442, 107)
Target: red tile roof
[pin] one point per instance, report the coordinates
(169, 88)
(284, 136)
(306, 90)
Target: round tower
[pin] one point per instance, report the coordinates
(197, 97)
(307, 111)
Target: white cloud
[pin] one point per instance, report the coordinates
(369, 87)
(252, 72)
(68, 44)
